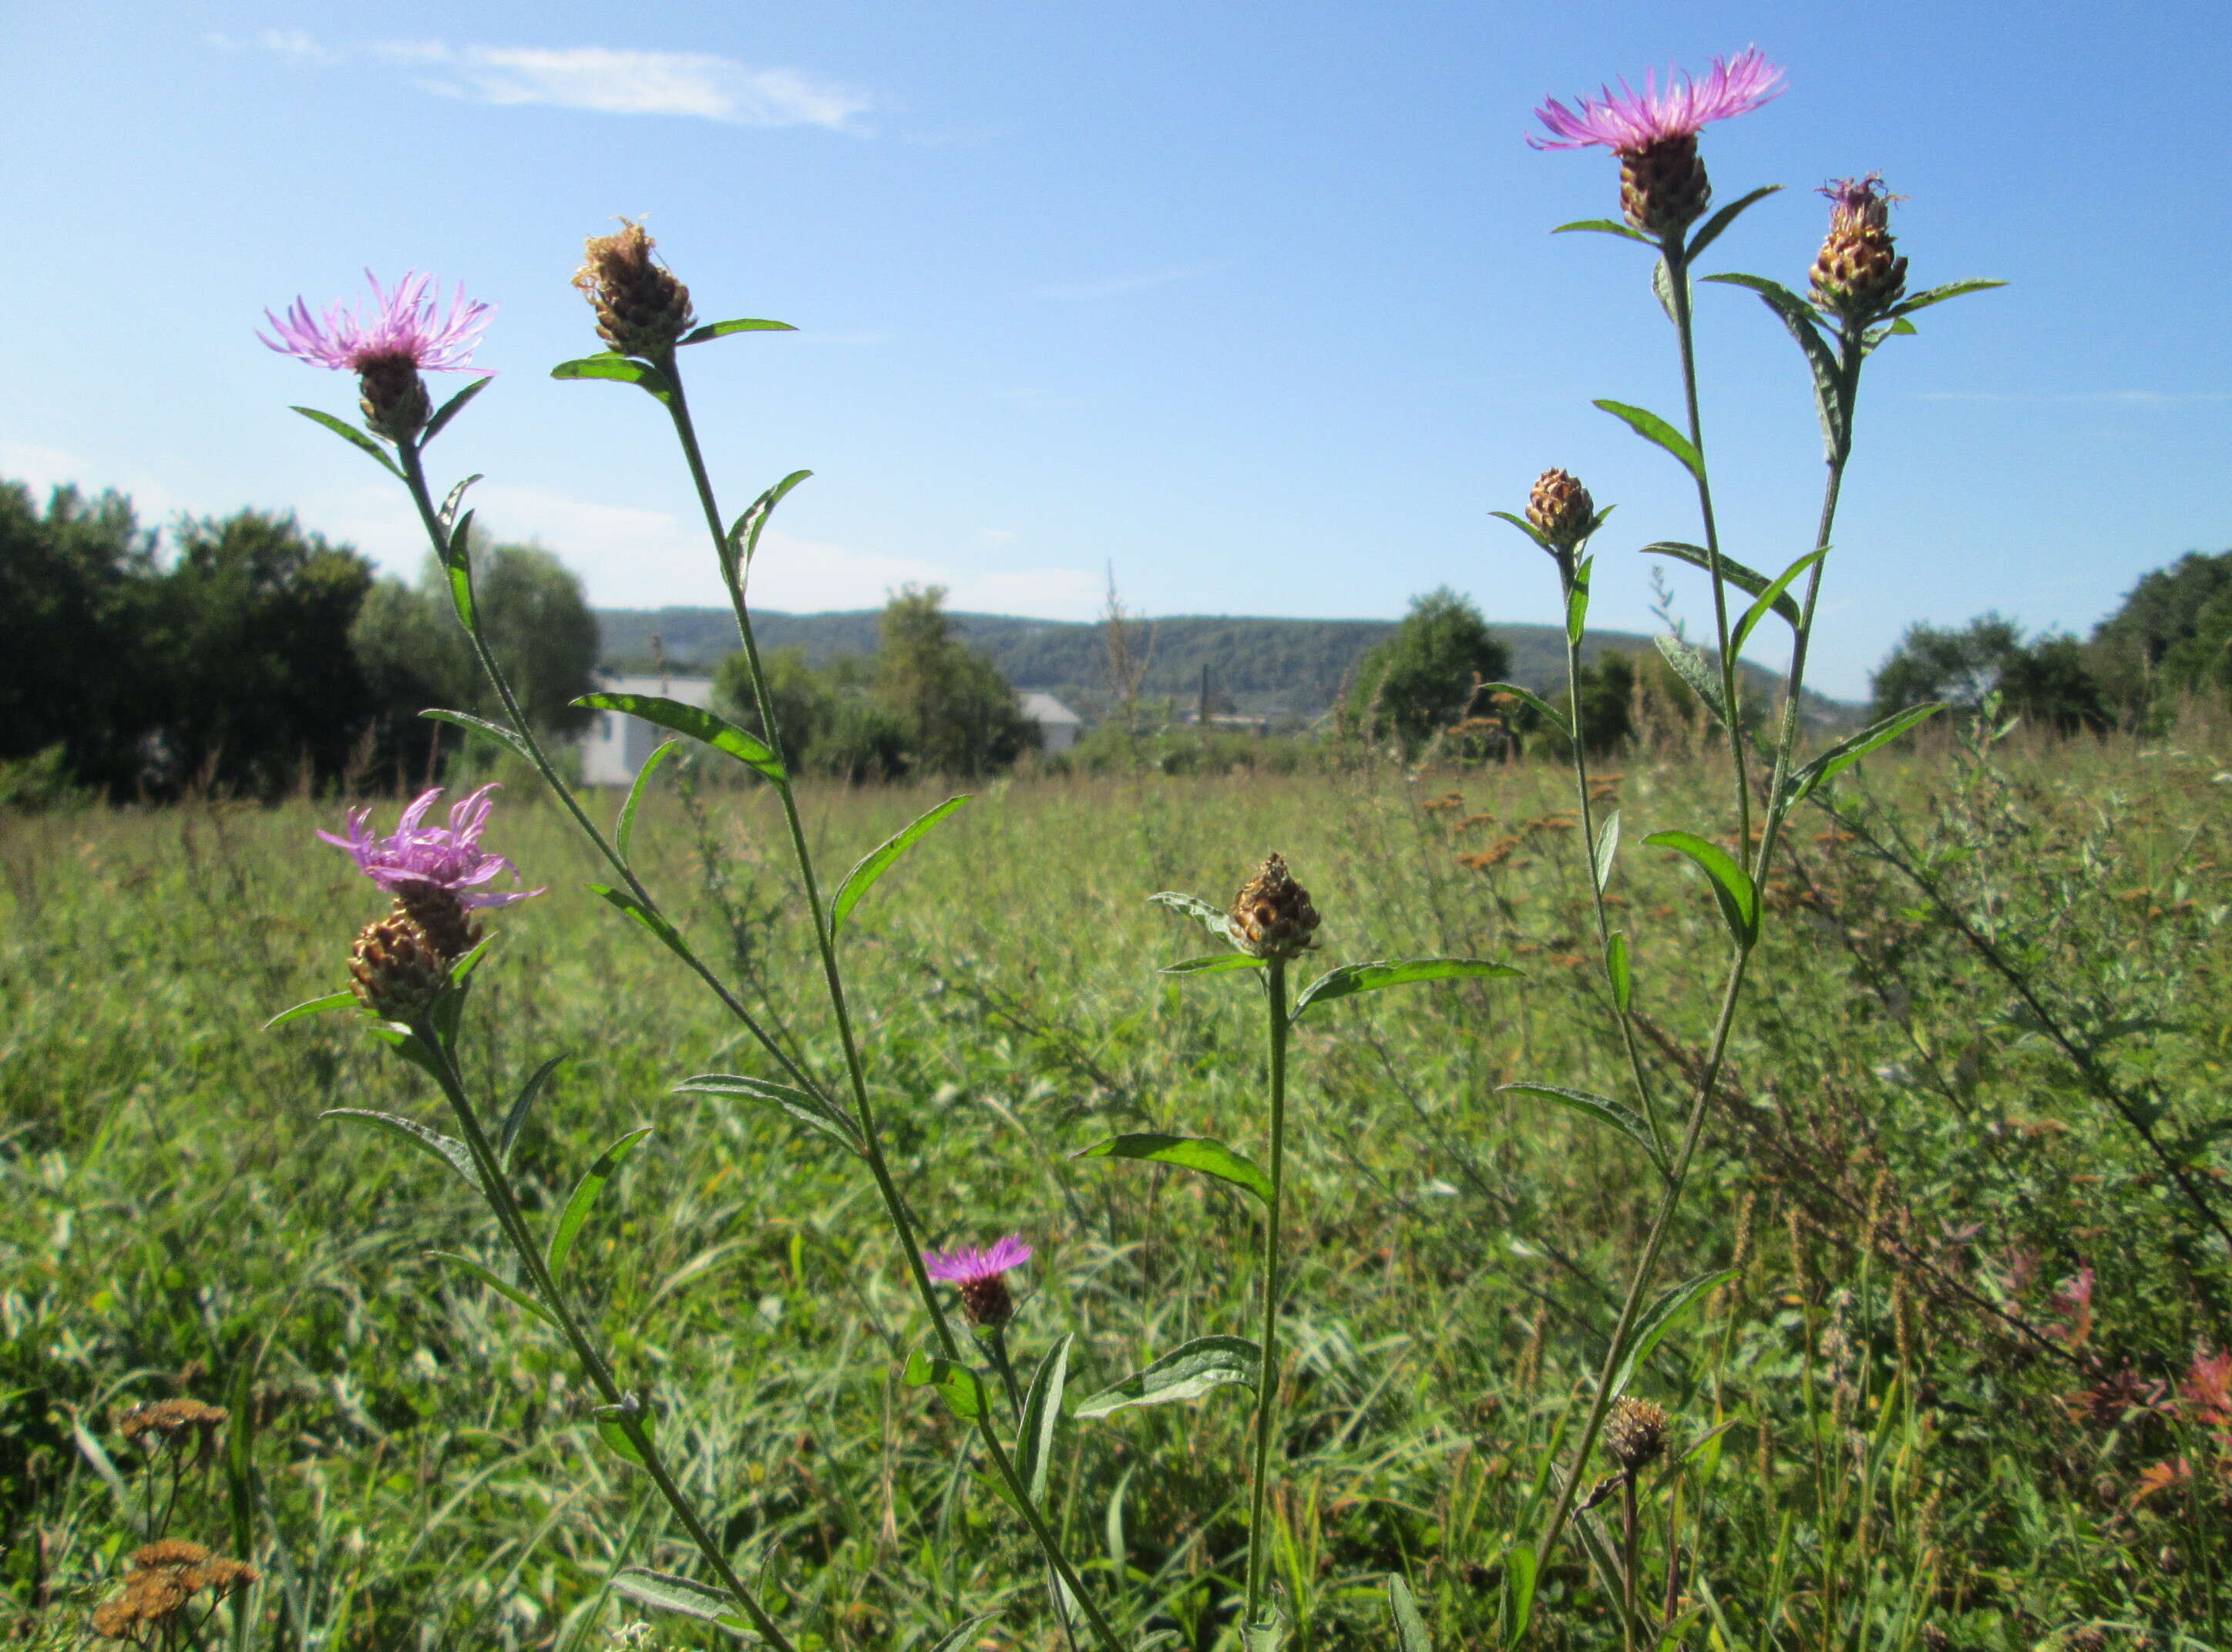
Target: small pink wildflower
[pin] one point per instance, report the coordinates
(1629, 122)
(445, 858)
(980, 1274)
(406, 326)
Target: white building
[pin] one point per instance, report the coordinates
(1059, 726)
(617, 745)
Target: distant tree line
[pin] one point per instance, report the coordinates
(249, 655)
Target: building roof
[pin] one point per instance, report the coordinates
(1044, 708)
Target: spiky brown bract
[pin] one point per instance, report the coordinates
(444, 919)
(1635, 1434)
(1663, 186)
(641, 308)
(1560, 509)
(1272, 917)
(1858, 272)
(396, 969)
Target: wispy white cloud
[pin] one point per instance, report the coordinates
(600, 80)
(2129, 398)
(1085, 292)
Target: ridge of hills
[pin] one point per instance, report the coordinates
(1261, 667)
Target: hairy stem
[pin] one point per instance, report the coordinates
(1267, 1375)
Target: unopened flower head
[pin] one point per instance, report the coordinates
(980, 1275)
(387, 346)
(1272, 917)
(1560, 509)
(396, 970)
(1663, 187)
(642, 310)
(1858, 272)
(1635, 1434)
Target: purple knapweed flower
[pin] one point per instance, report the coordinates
(417, 857)
(980, 1274)
(406, 326)
(1631, 121)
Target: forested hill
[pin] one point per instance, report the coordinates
(1291, 666)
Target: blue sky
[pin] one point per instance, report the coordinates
(1253, 302)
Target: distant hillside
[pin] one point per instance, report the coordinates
(1280, 667)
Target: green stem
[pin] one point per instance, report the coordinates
(1267, 1375)
(495, 1187)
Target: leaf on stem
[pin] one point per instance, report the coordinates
(1540, 707)
(1849, 750)
(1929, 296)
(1750, 581)
(1409, 1628)
(961, 1388)
(1577, 601)
(1527, 529)
(1661, 1318)
(312, 1007)
(625, 832)
(1189, 1152)
(355, 437)
(448, 411)
(668, 1592)
(1618, 970)
(1720, 221)
(808, 1110)
(511, 1294)
(448, 1148)
(457, 564)
(878, 861)
(625, 369)
(448, 514)
(1518, 1593)
(1662, 288)
(696, 722)
(1209, 916)
(584, 1199)
(1607, 847)
(1657, 430)
(1042, 1414)
(744, 540)
(1184, 1373)
(517, 1115)
(1732, 885)
(722, 329)
(1690, 665)
(635, 909)
(1604, 226)
(1833, 390)
(1212, 964)
(472, 724)
(1604, 1111)
(1769, 598)
(1350, 979)
(960, 1635)
(611, 1428)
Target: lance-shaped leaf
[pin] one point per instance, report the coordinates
(1536, 703)
(1527, 529)
(1409, 1628)
(1184, 1373)
(1832, 388)
(808, 1110)
(1598, 1108)
(635, 909)
(1750, 581)
(354, 437)
(622, 369)
(458, 566)
(1214, 963)
(1618, 971)
(1849, 750)
(448, 1148)
(961, 1388)
(1603, 226)
(1929, 296)
(878, 861)
(1691, 666)
(744, 540)
(1518, 1593)
(1720, 221)
(448, 514)
(722, 329)
(1662, 288)
(1772, 594)
(1577, 601)
(1600, 862)
(623, 833)
(612, 1422)
(694, 721)
(1208, 914)
(584, 1199)
(471, 724)
(669, 1592)
(312, 1007)
(1042, 1414)
(1660, 1318)
(1732, 885)
(1188, 1152)
(1653, 429)
(511, 1294)
(515, 1116)
(1349, 979)
(449, 408)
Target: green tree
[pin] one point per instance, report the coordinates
(2048, 682)
(2169, 633)
(961, 716)
(1422, 678)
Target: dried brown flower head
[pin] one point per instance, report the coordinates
(1560, 509)
(169, 1421)
(1858, 272)
(398, 970)
(1635, 1434)
(1272, 917)
(177, 1554)
(641, 309)
(166, 1575)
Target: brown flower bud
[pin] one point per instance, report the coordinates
(986, 1301)
(1272, 917)
(1663, 186)
(1635, 1434)
(1858, 272)
(399, 972)
(392, 396)
(442, 916)
(1560, 509)
(641, 309)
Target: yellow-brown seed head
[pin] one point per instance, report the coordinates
(1560, 509)
(398, 971)
(1272, 917)
(641, 309)
(169, 1421)
(1635, 1434)
(392, 396)
(1858, 272)
(1663, 186)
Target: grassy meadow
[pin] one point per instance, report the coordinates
(1952, 1394)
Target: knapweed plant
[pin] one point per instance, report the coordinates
(414, 967)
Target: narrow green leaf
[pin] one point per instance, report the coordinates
(1190, 1152)
(457, 568)
(611, 1421)
(961, 1388)
(722, 329)
(1184, 1373)
(1268, 1633)
(1041, 1415)
(1540, 707)
(878, 861)
(448, 514)
(1832, 394)
(1577, 601)
(1662, 288)
(624, 835)
(1210, 917)
(625, 369)
(584, 1199)
(1518, 1593)
(744, 540)
(242, 1503)
(1409, 1628)
(1620, 1119)
(1350, 979)
(461, 970)
(450, 1150)
(668, 1592)
(1211, 964)
(1849, 750)
(1527, 529)
(1653, 429)
(1732, 886)
(960, 1635)
(355, 437)
(1691, 666)
(312, 1007)
(1721, 220)
(472, 724)
(1747, 581)
(694, 721)
(650, 920)
(1773, 594)
(449, 408)
(511, 1294)
(1604, 226)
(103, 1465)
(1616, 970)
(1660, 1318)
(517, 1115)
(800, 1106)
(1929, 296)
(1607, 847)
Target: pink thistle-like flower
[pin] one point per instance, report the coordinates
(1629, 122)
(417, 857)
(980, 1274)
(406, 326)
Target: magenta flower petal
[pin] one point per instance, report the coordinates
(1628, 122)
(968, 1266)
(406, 324)
(448, 857)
